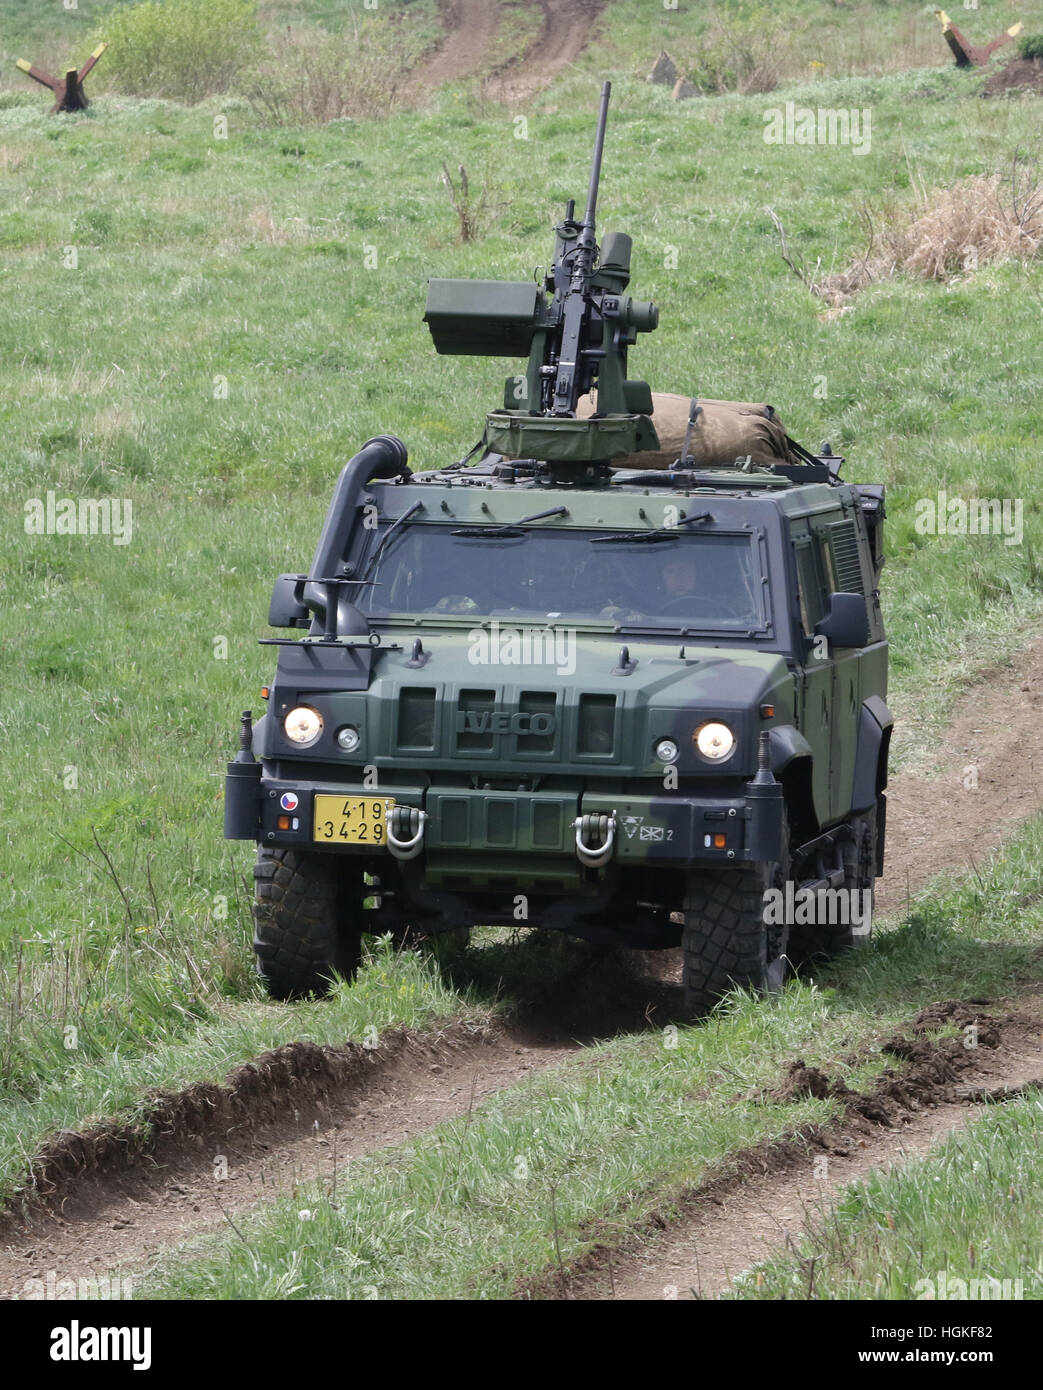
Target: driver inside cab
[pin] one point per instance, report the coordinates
(679, 576)
(679, 581)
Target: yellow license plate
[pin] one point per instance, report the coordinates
(351, 820)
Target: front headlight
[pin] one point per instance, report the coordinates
(714, 741)
(303, 726)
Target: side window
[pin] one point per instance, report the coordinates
(809, 586)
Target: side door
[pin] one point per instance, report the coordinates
(817, 679)
(841, 554)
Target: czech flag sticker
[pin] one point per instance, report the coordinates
(289, 801)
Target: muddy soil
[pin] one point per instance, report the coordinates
(567, 28)
(1022, 75)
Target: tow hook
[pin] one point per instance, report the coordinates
(405, 831)
(595, 836)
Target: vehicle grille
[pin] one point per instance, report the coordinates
(480, 723)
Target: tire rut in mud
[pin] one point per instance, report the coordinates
(988, 777)
(470, 36)
(567, 29)
(115, 1194)
(702, 1238)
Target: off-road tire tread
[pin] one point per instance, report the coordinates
(302, 929)
(724, 937)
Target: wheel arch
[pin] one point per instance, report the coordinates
(792, 761)
(875, 726)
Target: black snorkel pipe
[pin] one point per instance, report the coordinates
(326, 591)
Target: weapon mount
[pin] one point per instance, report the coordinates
(575, 329)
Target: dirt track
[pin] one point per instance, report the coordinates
(298, 1113)
(469, 49)
(567, 26)
(303, 1111)
(987, 776)
(124, 1214)
(470, 27)
(733, 1223)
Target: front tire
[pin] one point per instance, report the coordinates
(726, 941)
(306, 911)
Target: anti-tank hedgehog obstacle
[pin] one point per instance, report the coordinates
(68, 90)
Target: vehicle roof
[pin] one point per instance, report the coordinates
(474, 497)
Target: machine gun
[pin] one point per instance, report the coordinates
(575, 328)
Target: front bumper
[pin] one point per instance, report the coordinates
(459, 823)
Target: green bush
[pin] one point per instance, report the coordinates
(1031, 46)
(314, 76)
(181, 49)
(739, 53)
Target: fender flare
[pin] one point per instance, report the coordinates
(874, 741)
(792, 761)
(786, 743)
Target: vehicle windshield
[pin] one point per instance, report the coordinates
(691, 580)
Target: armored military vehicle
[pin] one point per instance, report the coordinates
(549, 686)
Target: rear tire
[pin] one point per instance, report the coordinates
(307, 911)
(858, 856)
(726, 940)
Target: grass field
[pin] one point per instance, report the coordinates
(206, 328)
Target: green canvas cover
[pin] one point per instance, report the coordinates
(516, 434)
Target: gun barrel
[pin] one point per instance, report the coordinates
(599, 146)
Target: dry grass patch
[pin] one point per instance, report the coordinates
(261, 226)
(946, 232)
(10, 160)
(978, 221)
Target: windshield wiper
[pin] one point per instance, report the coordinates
(512, 528)
(662, 533)
(399, 521)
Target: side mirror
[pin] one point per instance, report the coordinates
(846, 624)
(287, 607)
